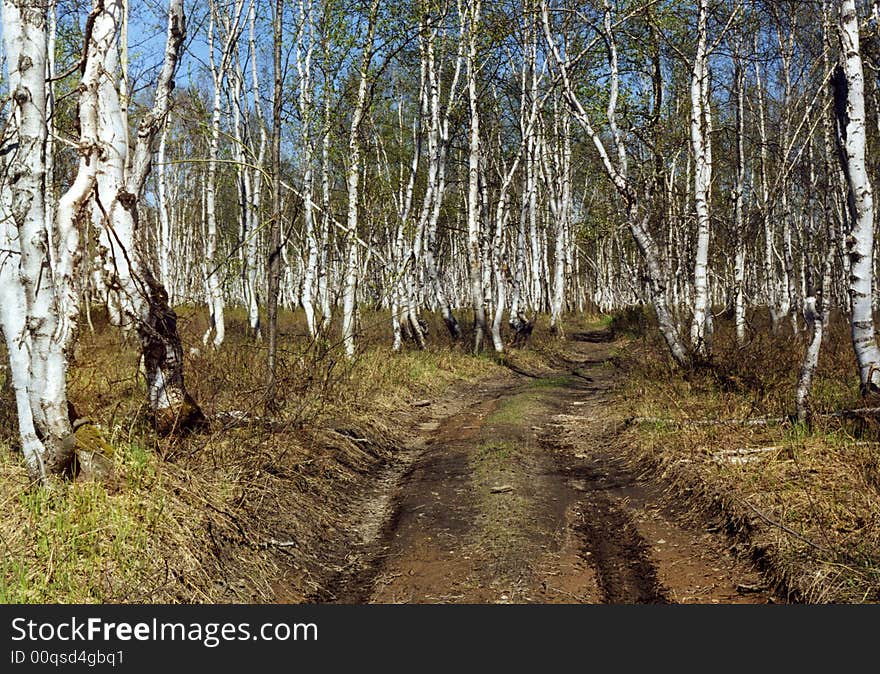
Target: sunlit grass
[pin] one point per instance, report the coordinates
(179, 517)
(811, 492)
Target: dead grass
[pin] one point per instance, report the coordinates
(255, 509)
(808, 508)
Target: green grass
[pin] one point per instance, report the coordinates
(515, 409)
(495, 453)
(78, 542)
(166, 530)
(551, 382)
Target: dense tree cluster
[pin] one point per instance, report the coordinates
(488, 162)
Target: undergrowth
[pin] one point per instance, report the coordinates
(803, 501)
(247, 511)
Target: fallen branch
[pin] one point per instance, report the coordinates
(239, 419)
(759, 421)
(519, 370)
(708, 422)
(861, 411)
(743, 454)
(787, 530)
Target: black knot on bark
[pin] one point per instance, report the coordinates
(21, 95)
(127, 199)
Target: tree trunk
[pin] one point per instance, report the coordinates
(474, 198)
(700, 114)
(849, 89)
(739, 309)
(143, 299)
(349, 299)
(275, 241)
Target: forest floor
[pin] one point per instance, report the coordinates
(520, 490)
(580, 470)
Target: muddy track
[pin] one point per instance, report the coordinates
(519, 493)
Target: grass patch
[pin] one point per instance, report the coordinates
(551, 382)
(191, 519)
(808, 505)
(84, 542)
(515, 409)
(495, 454)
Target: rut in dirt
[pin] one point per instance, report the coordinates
(521, 496)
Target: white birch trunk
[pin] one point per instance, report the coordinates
(860, 241)
(42, 333)
(143, 300)
(324, 275)
(501, 217)
(700, 114)
(739, 309)
(215, 312)
(303, 66)
(163, 236)
(474, 199)
(253, 222)
(618, 174)
(352, 182)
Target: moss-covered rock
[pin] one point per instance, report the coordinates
(94, 455)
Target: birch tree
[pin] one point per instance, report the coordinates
(739, 309)
(700, 142)
(39, 305)
(618, 173)
(438, 140)
(470, 26)
(303, 51)
(119, 185)
(228, 27)
(275, 239)
(849, 95)
(352, 182)
(27, 306)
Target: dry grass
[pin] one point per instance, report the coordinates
(806, 507)
(256, 508)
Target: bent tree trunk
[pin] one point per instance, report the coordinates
(143, 299)
(618, 174)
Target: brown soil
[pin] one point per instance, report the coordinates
(519, 492)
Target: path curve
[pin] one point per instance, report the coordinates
(520, 495)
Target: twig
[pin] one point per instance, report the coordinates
(788, 530)
(743, 454)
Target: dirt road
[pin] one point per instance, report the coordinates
(521, 496)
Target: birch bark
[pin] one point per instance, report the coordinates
(850, 108)
(352, 185)
(303, 55)
(739, 309)
(700, 114)
(142, 298)
(474, 199)
(619, 176)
